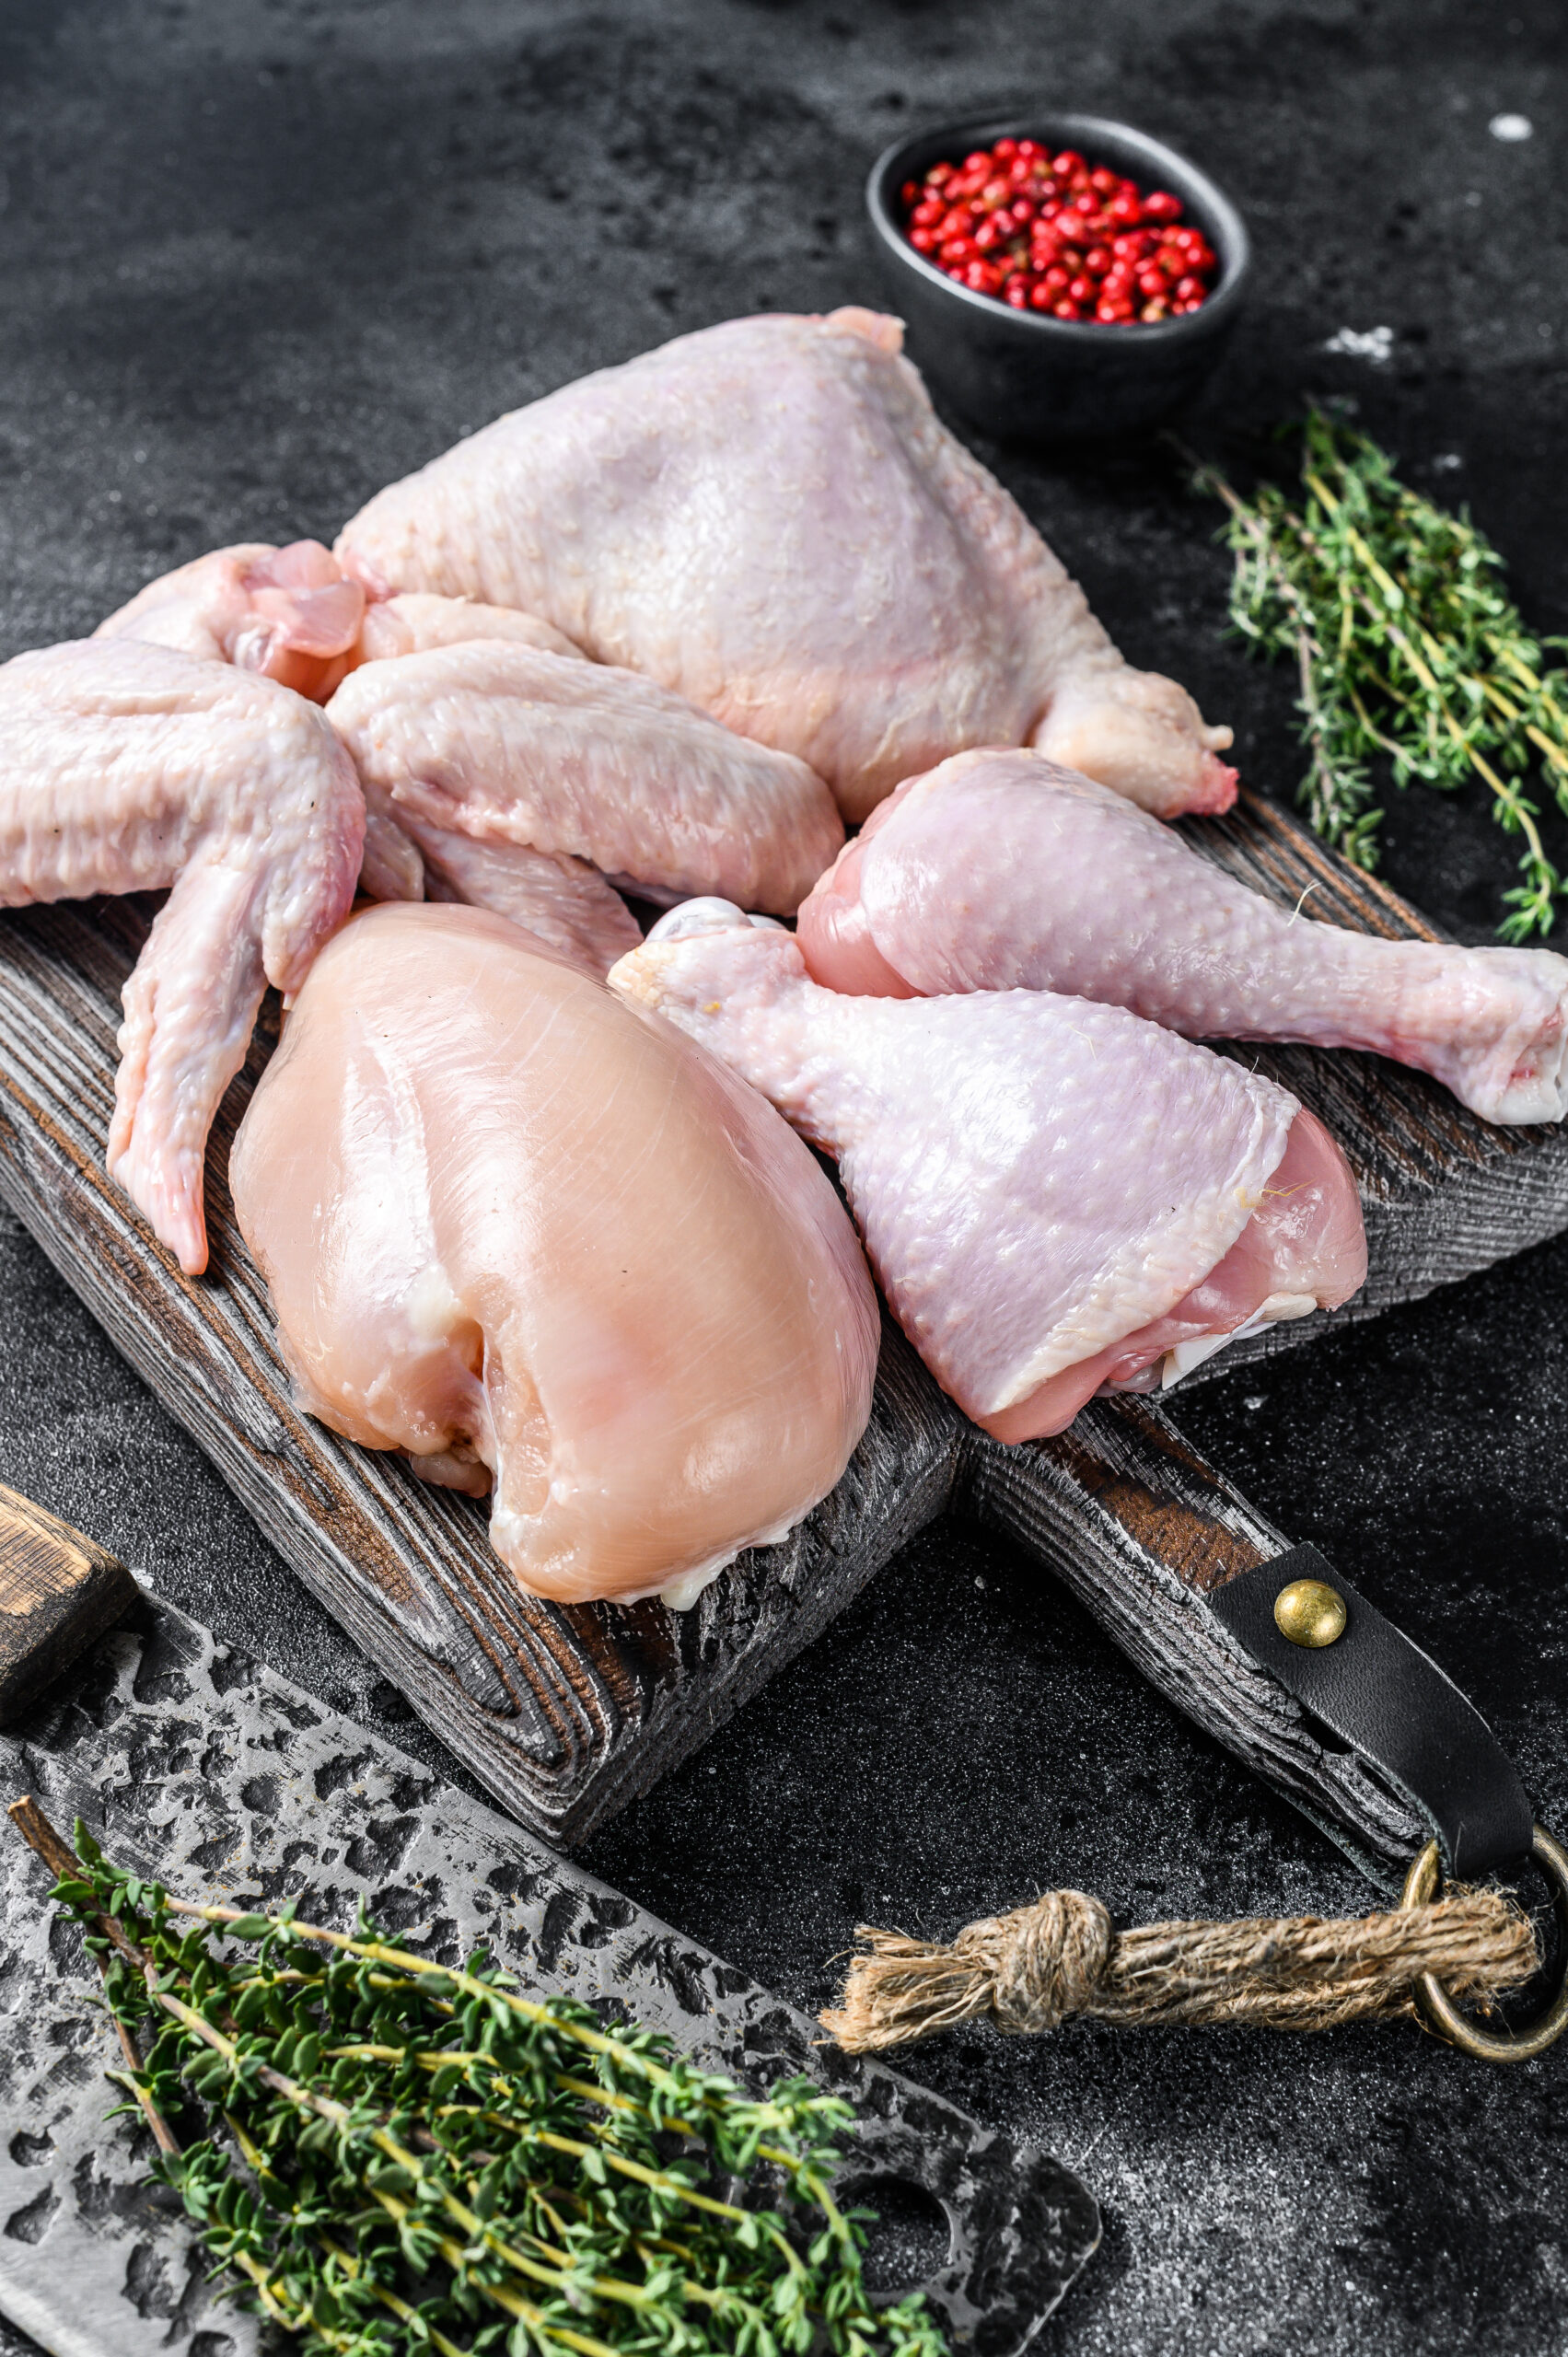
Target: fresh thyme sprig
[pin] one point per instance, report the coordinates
(1406, 647)
(395, 2155)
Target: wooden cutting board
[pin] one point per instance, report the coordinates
(566, 1713)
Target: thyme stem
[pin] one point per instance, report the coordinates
(376, 2177)
(1406, 647)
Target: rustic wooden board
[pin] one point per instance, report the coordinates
(58, 1591)
(1143, 1531)
(566, 1713)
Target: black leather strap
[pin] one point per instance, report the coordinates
(1395, 1708)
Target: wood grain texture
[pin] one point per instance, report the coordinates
(566, 1713)
(58, 1591)
(1143, 1531)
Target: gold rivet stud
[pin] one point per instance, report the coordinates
(1311, 1612)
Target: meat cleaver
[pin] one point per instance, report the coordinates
(196, 1765)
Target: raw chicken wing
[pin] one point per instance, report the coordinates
(563, 902)
(769, 518)
(413, 625)
(485, 743)
(1000, 870)
(535, 1238)
(1056, 1196)
(288, 613)
(125, 768)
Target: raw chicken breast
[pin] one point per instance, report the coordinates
(1000, 870)
(769, 518)
(1055, 1196)
(511, 744)
(522, 1231)
(125, 768)
(288, 613)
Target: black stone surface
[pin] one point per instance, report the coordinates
(255, 260)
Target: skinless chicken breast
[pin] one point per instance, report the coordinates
(534, 1237)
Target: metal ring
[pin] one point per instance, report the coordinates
(1433, 2002)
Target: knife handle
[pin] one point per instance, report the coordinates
(58, 1591)
(1367, 1737)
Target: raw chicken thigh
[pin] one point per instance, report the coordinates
(124, 767)
(533, 1237)
(485, 745)
(769, 518)
(1056, 1196)
(1000, 870)
(288, 613)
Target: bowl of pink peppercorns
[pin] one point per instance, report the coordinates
(1062, 276)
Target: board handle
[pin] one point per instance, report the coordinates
(58, 1591)
(1145, 1533)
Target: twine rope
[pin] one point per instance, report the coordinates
(1033, 1970)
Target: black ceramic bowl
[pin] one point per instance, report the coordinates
(1024, 375)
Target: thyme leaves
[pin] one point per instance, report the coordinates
(394, 2155)
(1406, 648)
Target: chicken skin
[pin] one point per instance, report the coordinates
(414, 624)
(1000, 871)
(1056, 1197)
(290, 614)
(538, 1240)
(487, 746)
(769, 519)
(126, 767)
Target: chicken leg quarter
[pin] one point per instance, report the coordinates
(769, 519)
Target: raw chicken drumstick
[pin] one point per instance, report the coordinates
(524, 778)
(125, 768)
(769, 518)
(536, 1239)
(1056, 1196)
(288, 613)
(999, 870)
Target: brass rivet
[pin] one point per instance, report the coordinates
(1309, 1613)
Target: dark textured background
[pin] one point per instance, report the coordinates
(255, 260)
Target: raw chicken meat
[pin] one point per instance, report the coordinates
(1000, 870)
(1056, 1196)
(769, 518)
(562, 902)
(288, 613)
(508, 743)
(413, 625)
(525, 1233)
(124, 767)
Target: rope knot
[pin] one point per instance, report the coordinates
(1042, 1963)
(1029, 1970)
